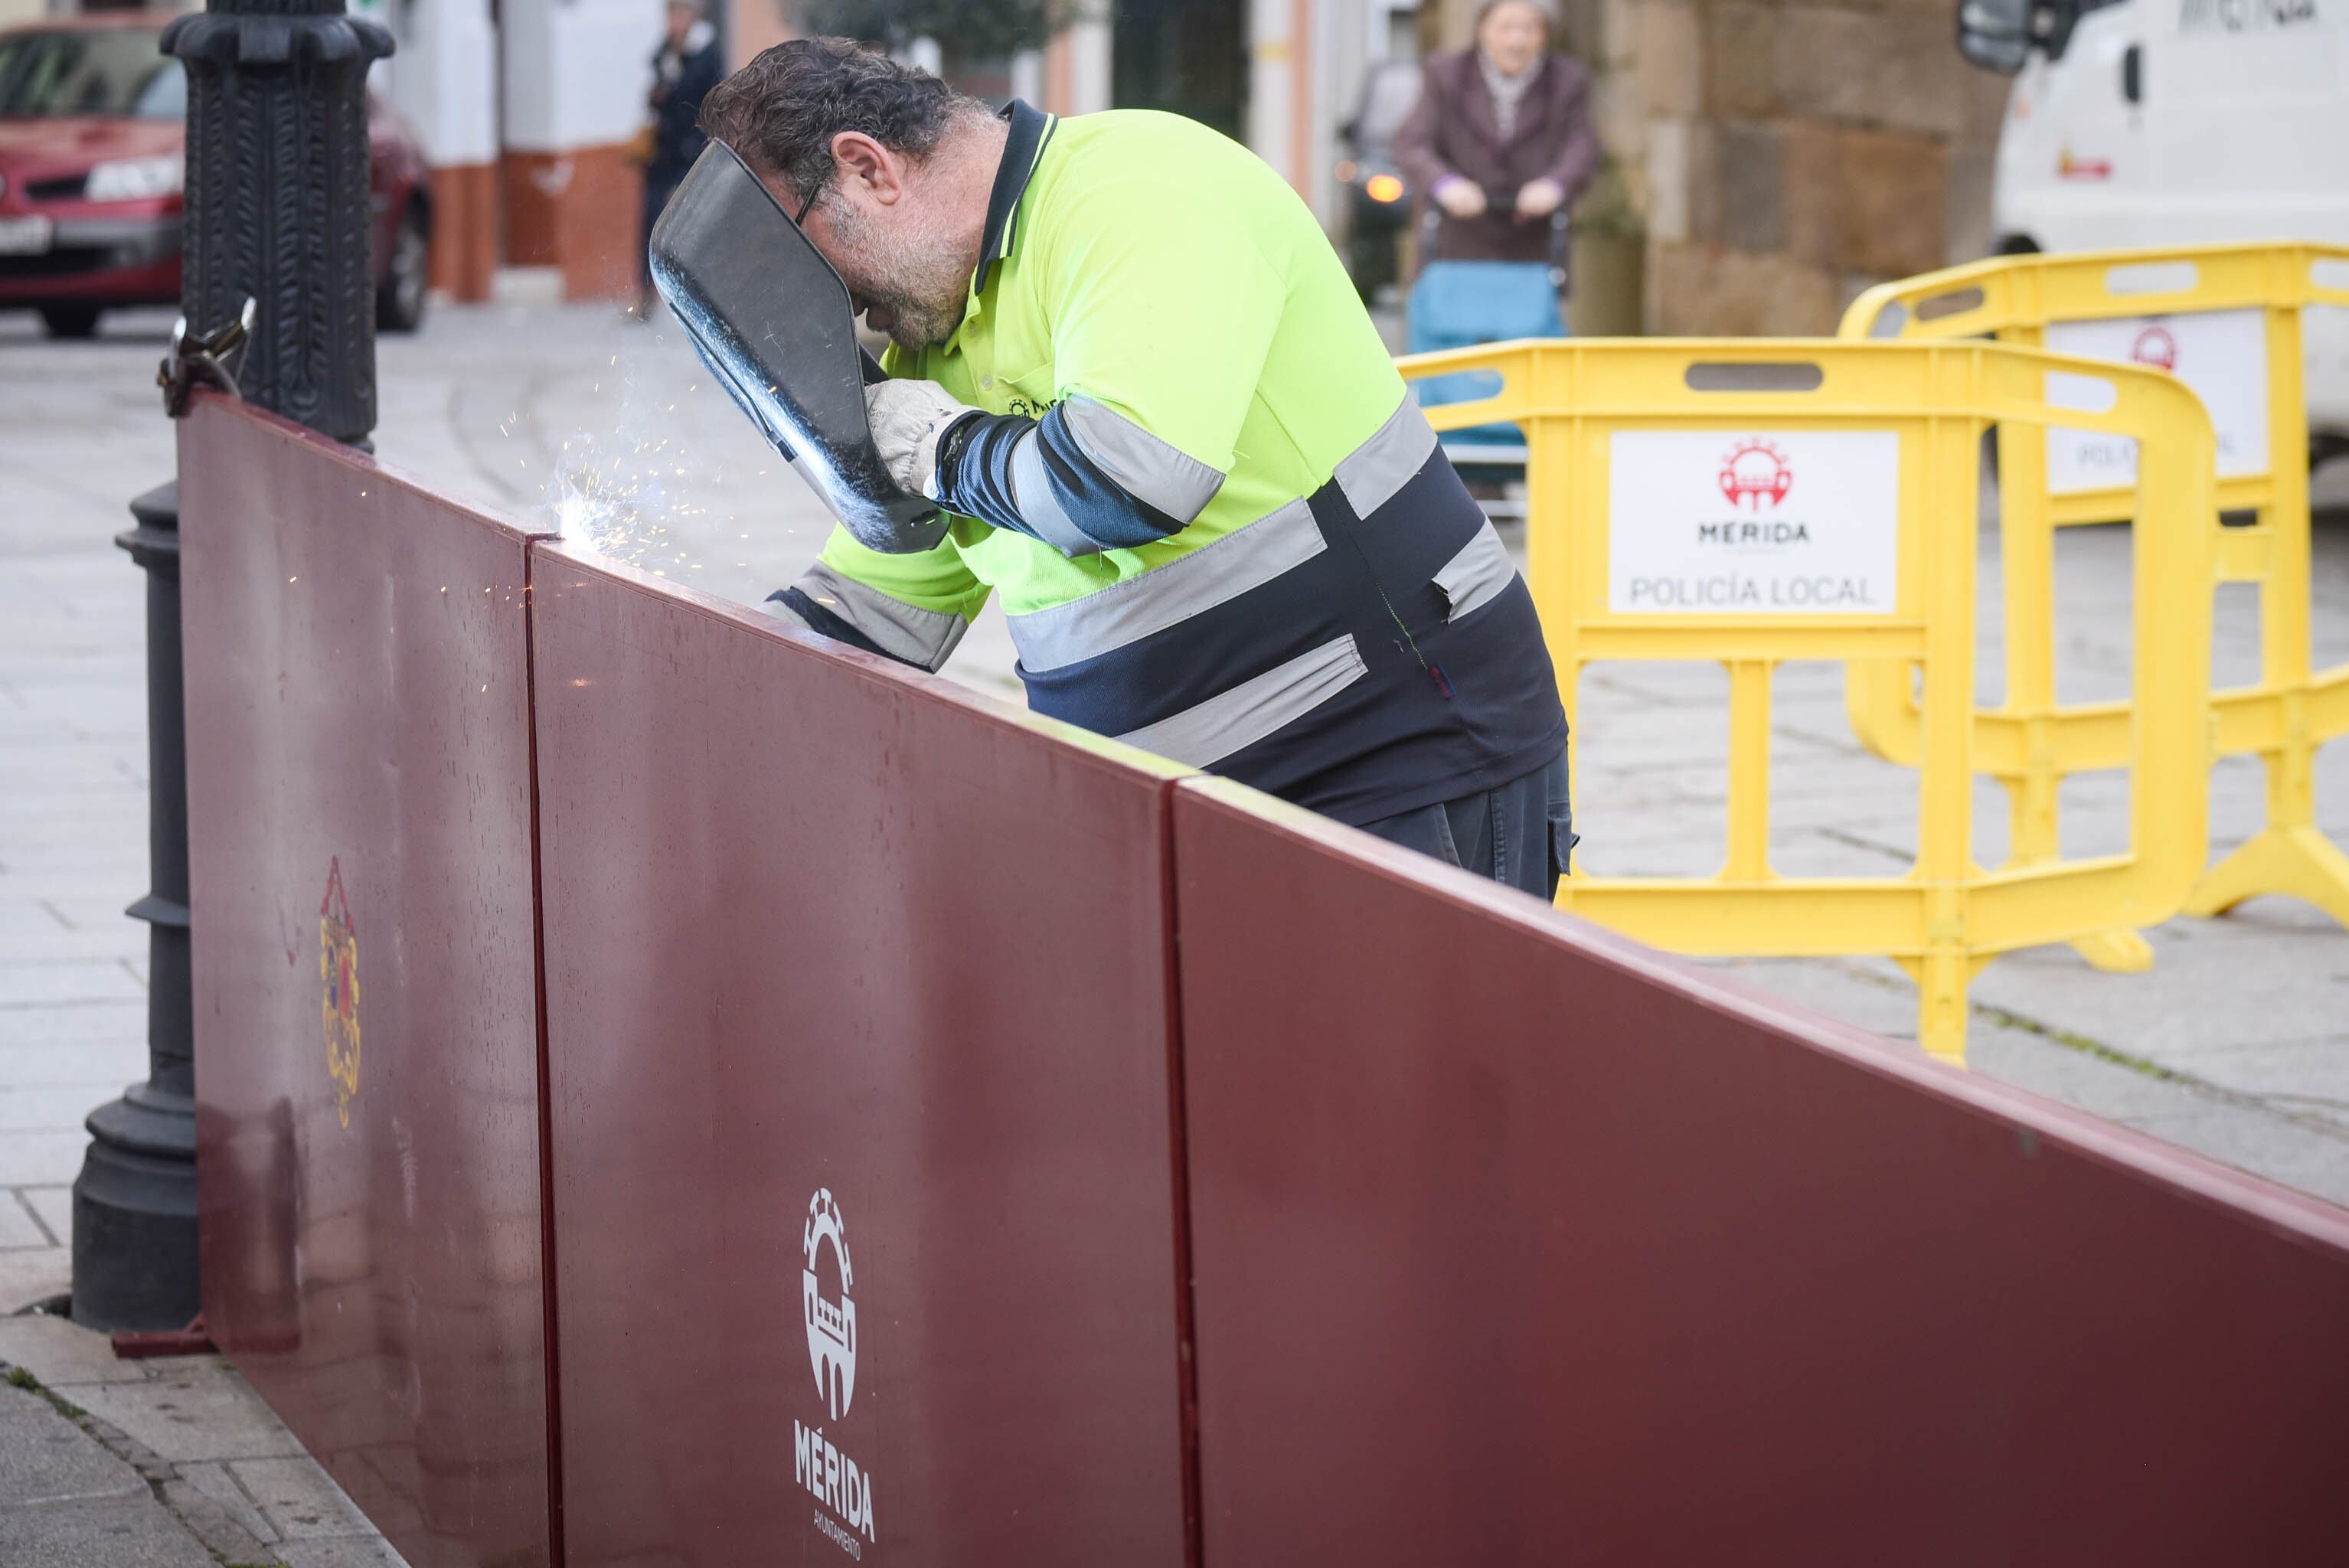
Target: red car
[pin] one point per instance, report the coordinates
(92, 136)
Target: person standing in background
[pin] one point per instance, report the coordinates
(1501, 143)
(685, 68)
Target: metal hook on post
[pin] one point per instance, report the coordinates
(205, 357)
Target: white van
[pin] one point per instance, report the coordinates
(2168, 122)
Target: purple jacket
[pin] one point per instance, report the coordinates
(1454, 131)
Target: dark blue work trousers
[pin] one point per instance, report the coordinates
(1520, 833)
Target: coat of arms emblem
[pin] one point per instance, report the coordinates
(338, 973)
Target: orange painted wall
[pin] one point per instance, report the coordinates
(580, 212)
(464, 230)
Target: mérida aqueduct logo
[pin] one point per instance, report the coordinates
(839, 1483)
(1755, 471)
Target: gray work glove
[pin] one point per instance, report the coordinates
(908, 418)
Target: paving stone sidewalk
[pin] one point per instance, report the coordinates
(165, 1463)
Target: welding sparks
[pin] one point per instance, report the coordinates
(613, 500)
(628, 492)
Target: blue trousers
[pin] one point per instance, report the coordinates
(1520, 833)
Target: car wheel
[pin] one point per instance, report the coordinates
(399, 299)
(71, 320)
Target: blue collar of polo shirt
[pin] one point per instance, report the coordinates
(1023, 149)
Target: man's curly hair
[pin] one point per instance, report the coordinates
(780, 112)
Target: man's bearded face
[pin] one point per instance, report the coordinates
(905, 273)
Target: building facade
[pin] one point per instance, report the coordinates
(1768, 158)
(528, 112)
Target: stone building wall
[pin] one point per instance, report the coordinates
(1782, 155)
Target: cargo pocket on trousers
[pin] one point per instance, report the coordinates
(1562, 839)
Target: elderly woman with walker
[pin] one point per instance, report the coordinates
(1501, 144)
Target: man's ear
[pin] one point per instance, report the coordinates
(861, 159)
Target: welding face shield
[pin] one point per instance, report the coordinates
(773, 322)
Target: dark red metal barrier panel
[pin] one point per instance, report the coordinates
(1514, 1241)
(860, 1081)
(365, 997)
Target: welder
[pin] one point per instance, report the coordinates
(1128, 366)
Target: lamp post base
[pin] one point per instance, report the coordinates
(134, 1214)
(134, 1209)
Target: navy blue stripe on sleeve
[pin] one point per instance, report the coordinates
(978, 483)
(1081, 510)
(1103, 510)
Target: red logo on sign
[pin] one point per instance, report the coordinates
(1755, 471)
(2156, 347)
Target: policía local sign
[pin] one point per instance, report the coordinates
(2221, 355)
(1761, 522)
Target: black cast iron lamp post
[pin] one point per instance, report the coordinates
(278, 222)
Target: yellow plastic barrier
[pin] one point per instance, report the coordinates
(1750, 501)
(2226, 319)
